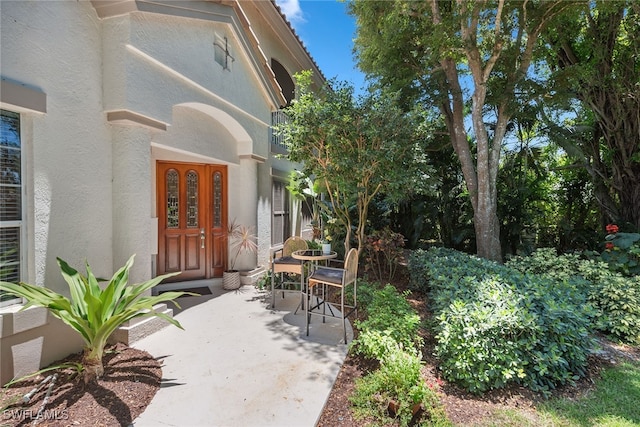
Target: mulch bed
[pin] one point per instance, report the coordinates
(130, 381)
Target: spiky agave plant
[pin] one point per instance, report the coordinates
(243, 241)
(93, 312)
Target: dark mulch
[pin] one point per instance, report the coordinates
(130, 381)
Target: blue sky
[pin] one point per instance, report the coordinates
(327, 31)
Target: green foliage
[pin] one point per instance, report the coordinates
(397, 383)
(264, 283)
(622, 253)
(524, 188)
(615, 298)
(366, 293)
(499, 326)
(390, 335)
(314, 244)
(619, 301)
(356, 148)
(93, 312)
(381, 252)
(391, 322)
(428, 51)
(594, 55)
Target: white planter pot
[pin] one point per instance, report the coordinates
(231, 280)
(326, 248)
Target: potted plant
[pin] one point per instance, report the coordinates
(326, 242)
(242, 240)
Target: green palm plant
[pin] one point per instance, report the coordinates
(93, 312)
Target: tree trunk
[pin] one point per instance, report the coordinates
(630, 196)
(480, 179)
(487, 229)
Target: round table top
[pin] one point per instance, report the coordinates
(313, 255)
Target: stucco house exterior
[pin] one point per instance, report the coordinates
(136, 127)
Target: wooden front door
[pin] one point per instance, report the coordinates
(192, 220)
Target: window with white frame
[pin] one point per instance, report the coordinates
(280, 213)
(11, 214)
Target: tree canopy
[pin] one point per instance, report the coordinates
(595, 56)
(451, 55)
(357, 148)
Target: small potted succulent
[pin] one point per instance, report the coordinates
(242, 240)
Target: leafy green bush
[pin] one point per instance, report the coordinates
(497, 325)
(389, 334)
(396, 388)
(366, 292)
(619, 301)
(418, 272)
(622, 251)
(391, 320)
(615, 298)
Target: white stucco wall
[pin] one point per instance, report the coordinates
(153, 62)
(56, 47)
(89, 183)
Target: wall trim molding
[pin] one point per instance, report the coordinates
(127, 117)
(22, 96)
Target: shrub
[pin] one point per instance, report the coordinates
(382, 250)
(497, 325)
(391, 321)
(396, 389)
(622, 251)
(390, 335)
(619, 301)
(418, 272)
(615, 298)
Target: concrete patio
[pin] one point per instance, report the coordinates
(240, 363)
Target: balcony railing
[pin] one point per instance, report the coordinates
(277, 141)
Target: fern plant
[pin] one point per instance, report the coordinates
(93, 312)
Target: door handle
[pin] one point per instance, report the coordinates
(202, 238)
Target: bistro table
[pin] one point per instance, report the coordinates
(312, 256)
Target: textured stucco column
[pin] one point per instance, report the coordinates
(132, 199)
(264, 214)
(244, 208)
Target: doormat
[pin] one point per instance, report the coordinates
(200, 291)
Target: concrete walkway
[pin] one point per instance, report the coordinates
(240, 363)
